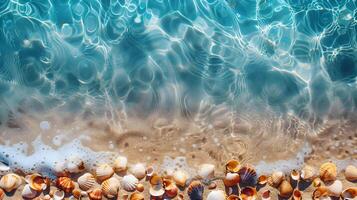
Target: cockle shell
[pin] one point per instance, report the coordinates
(104, 172)
(206, 171)
(297, 195)
(65, 184)
(110, 187)
(266, 195)
(349, 193)
(320, 192)
(10, 182)
(248, 193)
(308, 173)
(232, 166)
(77, 193)
(138, 170)
(195, 190)
(136, 196)
(120, 164)
(2, 194)
(171, 190)
(231, 179)
(351, 173)
(216, 195)
(335, 188)
(180, 178)
(328, 172)
(36, 182)
(156, 191)
(262, 179)
(28, 192)
(86, 181)
(276, 178)
(58, 195)
(285, 189)
(74, 164)
(295, 175)
(129, 182)
(95, 194)
(248, 175)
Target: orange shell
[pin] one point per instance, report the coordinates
(65, 184)
(248, 193)
(231, 179)
(140, 187)
(233, 166)
(95, 194)
(328, 172)
(136, 196)
(233, 197)
(320, 192)
(2, 194)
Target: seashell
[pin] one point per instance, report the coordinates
(65, 184)
(129, 182)
(216, 195)
(232, 166)
(138, 170)
(308, 173)
(58, 195)
(149, 171)
(46, 197)
(95, 194)
(2, 194)
(335, 188)
(248, 193)
(297, 195)
(248, 175)
(316, 182)
(104, 172)
(231, 179)
(212, 186)
(140, 187)
(349, 193)
(74, 164)
(351, 173)
(77, 193)
(156, 191)
(86, 181)
(276, 178)
(233, 197)
(10, 182)
(180, 178)
(206, 171)
(320, 192)
(155, 179)
(36, 182)
(328, 172)
(60, 169)
(262, 180)
(28, 192)
(285, 189)
(136, 196)
(120, 164)
(195, 190)
(110, 187)
(266, 195)
(171, 190)
(295, 175)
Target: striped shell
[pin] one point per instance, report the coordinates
(129, 182)
(104, 172)
(248, 175)
(95, 194)
(195, 190)
(120, 164)
(86, 181)
(65, 184)
(328, 172)
(308, 173)
(36, 182)
(10, 182)
(110, 187)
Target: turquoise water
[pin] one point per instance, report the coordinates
(288, 57)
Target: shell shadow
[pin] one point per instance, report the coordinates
(302, 185)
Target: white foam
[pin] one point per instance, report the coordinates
(45, 125)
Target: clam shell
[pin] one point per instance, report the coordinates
(156, 191)
(136, 196)
(328, 172)
(95, 194)
(231, 179)
(248, 193)
(216, 195)
(86, 181)
(266, 195)
(28, 192)
(120, 164)
(335, 188)
(65, 184)
(104, 172)
(171, 190)
(295, 175)
(350, 193)
(285, 189)
(320, 192)
(74, 164)
(233, 166)
(233, 197)
(351, 173)
(206, 171)
(308, 173)
(262, 180)
(2, 194)
(110, 187)
(248, 175)
(195, 190)
(180, 178)
(297, 195)
(58, 195)
(276, 178)
(138, 170)
(36, 182)
(129, 182)
(10, 182)
(140, 187)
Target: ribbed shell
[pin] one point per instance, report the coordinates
(65, 184)
(104, 172)
(248, 175)
(138, 170)
(195, 190)
(10, 182)
(110, 187)
(276, 178)
(86, 181)
(96, 194)
(120, 164)
(129, 182)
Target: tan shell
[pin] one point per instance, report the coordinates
(295, 175)
(155, 179)
(248, 193)
(262, 179)
(2, 194)
(285, 189)
(120, 164)
(10, 182)
(316, 182)
(351, 173)
(308, 173)
(138, 170)
(140, 187)
(86, 181)
(129, 182)
(28, 192)
(95, 194)
(212, 186)
(180, 178)
(297, 195)
(136, 196)
(320, 192)
(65, 184)
(36, 182)
(110, 187)
(216, 195)
(350, 193)
(206, 171)
(231, 179)
(266, 195)
(276, 178)
(104, 172)
(335, 188)
(328, 172)
(233, 166)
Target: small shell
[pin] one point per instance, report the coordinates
(104, 172)
(138, 170)
(351, 173)
(129, 182)
(206, 171)
(297, 195)
(248, 175)
(77, 193)
(65, 184)
(231, 179)
(335, 188)
(216, 195)
(262, 180)
(195, 190)
(58, 195)
(95, 194)
(140, 187)
(233, 197)
(276, 178)
(155, 179)
(328, 172)
(110, 187)
(86, 181)
(316, 182)
(171, 190)
(266, 195)
(349, 193)
(10, 182)
(180, 178)
(149, 171)
(285, 189)
(320, 192)
(248, 193)
(47, 197)
(233, 166)
(212, 186)
(120, 164)
(2, 194)
(74, 164)
(36, 182)
(308, 173)
(136, 196)
(156, 191)
(295, 175)
(28, 192)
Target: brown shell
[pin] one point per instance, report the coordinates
(297, 195)
(77, 193)
(65, 184)
(262, 179)
(295, 175)
(231, 179)
(285, 189)
(136, 196)
(95, 194)
(320, 192)
(233, 166)
(171, 190)
(266, 194)
(10, 182)
(2, 194)
(36, 182)
(140, 187)
(248, 193)
(328, 172)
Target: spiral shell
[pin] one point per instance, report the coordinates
(206, 171)
(266, 195)
(216, 195)
(28, 192)
(180, 178)
(349, 193)
(138, 170)
(36, 182)
(328, 172)
(297, 195)
(86, 181)
(285, 189)
(2, 194)
(58, 195)
(10, 182)
(276, 178)
(65, 184)
(104, 172)
(335, 188)
(308, 173)
(195, 190)
(95, 194)
(232, 166)
(136, 196)
(120, 164)
(110, 187)
(231, 179)
(129, 182)
(248, 175)
(351, 173)
(248, 193)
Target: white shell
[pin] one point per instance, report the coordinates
(157, 191)
(138, 170)
(86, 181)
(335, 188)
(180, 178)
(216, 195)
(120, 164)
(129, 182)
(104, 172)
(58, 195)
(74, 164)
(110, 187)
(10, 182)
(351, 173)
(206, 171)
(28, 193)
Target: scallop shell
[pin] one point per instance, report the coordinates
(216, 195)
(10, 182)
(65, 184)
(77, 193)
(58, 195)
(233, 166)
(320, 192)
(104, 172)
(297, 195)
(206, 171)
(129, 182)
(138, 170)
(349, 193)
(262, 180)
(2, 194)
(295, 175)
(74, 164)
(351, 173)
(36, 182)
(136, 196)
(276, 178)
(308, 173)
(266, 195)
(328, 172)
(248, 175)
(231, 179)
(110, 187)
(120, 164)
(171, 190)
(156, 191)
(285, 189)
(28, 192)
(233, 197)
(335, 188)
(86, 181)
(248, 193)
(180, 178)
(195, 190)
(95, 194)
